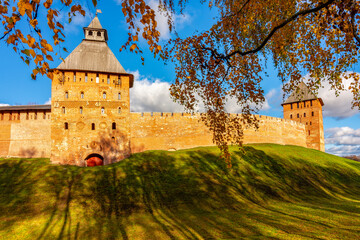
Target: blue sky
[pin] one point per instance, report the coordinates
(150, 93)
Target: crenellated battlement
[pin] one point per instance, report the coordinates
(198, 115)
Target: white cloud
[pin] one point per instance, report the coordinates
(342, 136)
(337, 107)
(344, 150)
(4, 104)
(151, 96)
(343, 141)
(48, 101)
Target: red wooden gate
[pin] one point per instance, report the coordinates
(94, 161)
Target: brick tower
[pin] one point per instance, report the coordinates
(90, 104)
(303, 106)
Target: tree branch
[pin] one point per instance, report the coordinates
(243, 6)
(353, 28)
(283, 24)
(2, 37)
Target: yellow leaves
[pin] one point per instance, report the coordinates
(30, 41)
(142, 7)
(33, 22)
(35, 71)
(11, 39)
(49, 47)
(38, 59)
(50, 75)
(133, 47)
(49, 57)
(48, 4)
(135, 38)
(59, 25)
(32, 52)
(24, 6)
(77, 8)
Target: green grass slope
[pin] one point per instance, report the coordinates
(271, 192)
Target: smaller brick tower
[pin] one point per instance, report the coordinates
(304, 107)
(90, 104)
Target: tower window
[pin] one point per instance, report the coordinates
(85, 77)
(68, 79)
(119, 96)
(119, 110)
(18, 117)
(81, 110)
(298, 116)
(104, 95)
(90, 33)
(44, 115)
(297, 105)
(304, 114)
(290, 116)
(310, 123)
(27, 116)
(74, 77)
(10, 117)
(99, 34)
(35, 115)
(93, 126)
(108, 80)
(312, 113)
(102, 110)
(2, 116)
(309, 132)
(82, 95)
(63, 110)
(291, 106)
(66, 95)
(311, 103)
(66, 126)
(97, 78)
(114, 125)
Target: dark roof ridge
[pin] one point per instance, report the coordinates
(301, 93)
(26, 107)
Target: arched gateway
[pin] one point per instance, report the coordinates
(94, 160)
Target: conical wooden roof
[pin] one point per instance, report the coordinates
(93, 55)
(302, 93)
(95, 23)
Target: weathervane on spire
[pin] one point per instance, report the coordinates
(98, 11)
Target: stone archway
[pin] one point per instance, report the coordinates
(94, 160)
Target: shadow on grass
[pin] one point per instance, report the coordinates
(17, 189)
(190, 195)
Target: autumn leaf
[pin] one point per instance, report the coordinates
(33, 22)
(133, 47)
(49, 57)
(38, 59)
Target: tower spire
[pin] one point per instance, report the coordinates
(95, 31)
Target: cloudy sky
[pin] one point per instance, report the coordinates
(152, 81)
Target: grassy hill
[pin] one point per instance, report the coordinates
(271, 192)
